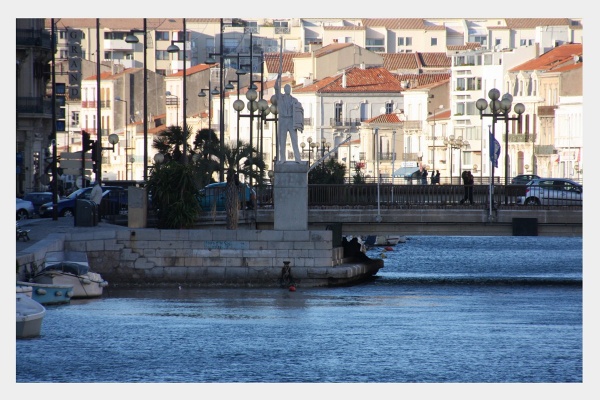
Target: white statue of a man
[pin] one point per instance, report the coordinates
(291, 118)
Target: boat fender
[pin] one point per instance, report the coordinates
(103, 284)
(69, 293)
(86, 281)
(40, 291)
(292, 288)
(58, 293)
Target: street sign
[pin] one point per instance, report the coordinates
(71, 163)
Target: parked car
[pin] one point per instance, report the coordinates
(213, 196)
(38, 198)
(523, 179)
(66, 206)
(552, 192)
(25, 209)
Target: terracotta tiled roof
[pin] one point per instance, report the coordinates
(192, 70)
(444, 114)
(556, 58)
(330, 48)
(344, 28)
(384, 119)
(170, 24)
(435, 60)
(395, 61)
(400, 23)
(466, 46)
(272, 62)
(422, 80)
(569, 67)
(358, 80)
(103, 76)
(532, 23)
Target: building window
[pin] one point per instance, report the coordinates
(162, 55)
(375, 45)
(389, 107)
(498, 42)
(338, 112)
(434, 41)
(114, 35)
(251, 27)
(400, 41)
(162, 35)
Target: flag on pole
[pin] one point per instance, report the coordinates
(495, 149)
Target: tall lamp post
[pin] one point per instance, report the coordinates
(454, 143)
(499, 111)
(126, 139)
(210, 93)
(173, 48)
(131, 38)
(433, 138)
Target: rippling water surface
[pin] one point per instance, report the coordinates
(443, 309)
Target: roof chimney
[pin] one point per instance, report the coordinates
(344, 79)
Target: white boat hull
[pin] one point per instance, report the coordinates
(30, 315)
(84, 286)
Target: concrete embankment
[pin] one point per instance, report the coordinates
(131, 256)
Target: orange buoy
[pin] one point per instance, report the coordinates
(292, 288)
(388, 248)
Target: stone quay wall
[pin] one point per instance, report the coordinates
(130, 257)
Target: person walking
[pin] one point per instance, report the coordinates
(424, 177)
(468, 182)
(96, 198)
(435, 178)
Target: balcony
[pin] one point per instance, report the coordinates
(118, 44)
(520, 138)
(345, 122)
(282, 30)
(34, 105)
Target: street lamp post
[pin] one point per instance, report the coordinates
(126, 139)
(173, 48)
(499, 110)
(454, 143)
(433, 139)
(131, 38)
(203, 94)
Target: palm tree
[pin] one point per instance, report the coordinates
(239, 159)
(170, 142)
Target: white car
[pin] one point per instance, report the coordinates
(552, 192)
(25, 209)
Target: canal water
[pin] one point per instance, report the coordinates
(442, 310)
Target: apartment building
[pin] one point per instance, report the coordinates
(308, 45)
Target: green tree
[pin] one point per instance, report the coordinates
(170, 141)
(329, 172)
(206, 145)
(173, 190)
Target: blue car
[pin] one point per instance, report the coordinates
(213, 197)
(66, 206)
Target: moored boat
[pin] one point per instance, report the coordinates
(384, 240)
(30, 315)
(48, 294)
(71, 268)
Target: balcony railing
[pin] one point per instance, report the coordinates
(34, 105)
(546, 149)
(345, 122)
(282, 30)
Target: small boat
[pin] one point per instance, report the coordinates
(71, 268)
(48, 294)
(30, 315)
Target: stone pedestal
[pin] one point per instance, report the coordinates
(137, 213)
(290, 196)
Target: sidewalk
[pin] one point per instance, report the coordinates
(40, 228)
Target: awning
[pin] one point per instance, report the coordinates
(405, 172)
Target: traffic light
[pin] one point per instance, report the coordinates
(86, 143)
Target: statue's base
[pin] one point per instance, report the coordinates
(290, 196)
